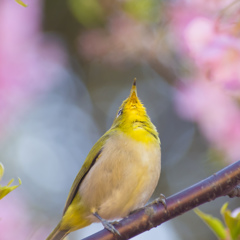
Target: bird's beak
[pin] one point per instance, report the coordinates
(133, 98)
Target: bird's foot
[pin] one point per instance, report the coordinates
(161, 199)
(108, 226)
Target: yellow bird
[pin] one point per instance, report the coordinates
(119, 174)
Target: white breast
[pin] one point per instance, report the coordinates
(123, 178)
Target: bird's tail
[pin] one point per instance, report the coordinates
(57, 234)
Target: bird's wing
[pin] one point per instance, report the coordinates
(92, 157)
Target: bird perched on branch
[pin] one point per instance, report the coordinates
(119, 174)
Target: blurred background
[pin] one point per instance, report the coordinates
(65, 68)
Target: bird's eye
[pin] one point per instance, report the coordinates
(120, 112)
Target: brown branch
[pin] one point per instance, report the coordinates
(219, 184)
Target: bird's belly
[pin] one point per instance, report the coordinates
(123, 178)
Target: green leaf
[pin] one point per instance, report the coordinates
(233, 223)
(7, 189)
(88, 12)
(143, 10)
(1, 170)
(21, 3)
(213, 223)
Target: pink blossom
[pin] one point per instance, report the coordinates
(182, 15)
(28, 61)
(217, 55)
(16, 222)
(207, 5)
(198, 34)
(216, 52)
(215, 112)
(209, 38)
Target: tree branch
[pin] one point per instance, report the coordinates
(219, 184)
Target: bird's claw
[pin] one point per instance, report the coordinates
(161, 199)
(110, 227)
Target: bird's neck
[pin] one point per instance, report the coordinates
(142, 131)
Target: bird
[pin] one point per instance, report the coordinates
(119, 174)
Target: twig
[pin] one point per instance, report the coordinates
(219, 184)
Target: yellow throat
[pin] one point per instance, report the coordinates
(133, 120)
